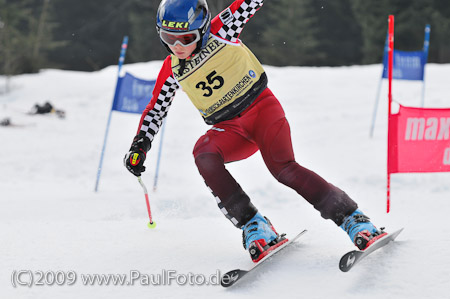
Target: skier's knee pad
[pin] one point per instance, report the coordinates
(204, 145)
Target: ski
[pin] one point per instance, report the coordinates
(231, 277)
(350, 259)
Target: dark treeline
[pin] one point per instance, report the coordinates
(86, 35)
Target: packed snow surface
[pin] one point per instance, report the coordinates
(53, 223)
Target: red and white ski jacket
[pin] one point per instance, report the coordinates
(222, 80)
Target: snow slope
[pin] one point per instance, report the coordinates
(52, 220)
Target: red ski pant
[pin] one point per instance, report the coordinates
(262, 126)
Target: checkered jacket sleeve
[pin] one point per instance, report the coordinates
(157, 108)
(230, 22)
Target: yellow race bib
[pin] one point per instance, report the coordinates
(221, 80)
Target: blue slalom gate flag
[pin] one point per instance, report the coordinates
(132, 94)
(408, 65)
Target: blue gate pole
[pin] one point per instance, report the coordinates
(121, 60)
(426, 45)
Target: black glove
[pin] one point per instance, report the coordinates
(134, 159)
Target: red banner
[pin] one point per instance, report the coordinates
(419, 140)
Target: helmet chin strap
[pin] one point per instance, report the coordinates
(182, 67)
(199, 47)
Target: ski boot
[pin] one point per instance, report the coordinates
(360, 230)
(259, 237)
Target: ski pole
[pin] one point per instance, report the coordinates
(151, 223)
(155, 182)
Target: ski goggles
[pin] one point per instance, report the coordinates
(183, 38)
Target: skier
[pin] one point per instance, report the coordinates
(45, 109)
(228, 86)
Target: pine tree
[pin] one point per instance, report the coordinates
(372, 17)
(144, 40)
(340, 33)
(308, 32)
(15, 45)
(291, 36)
(92, 32)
